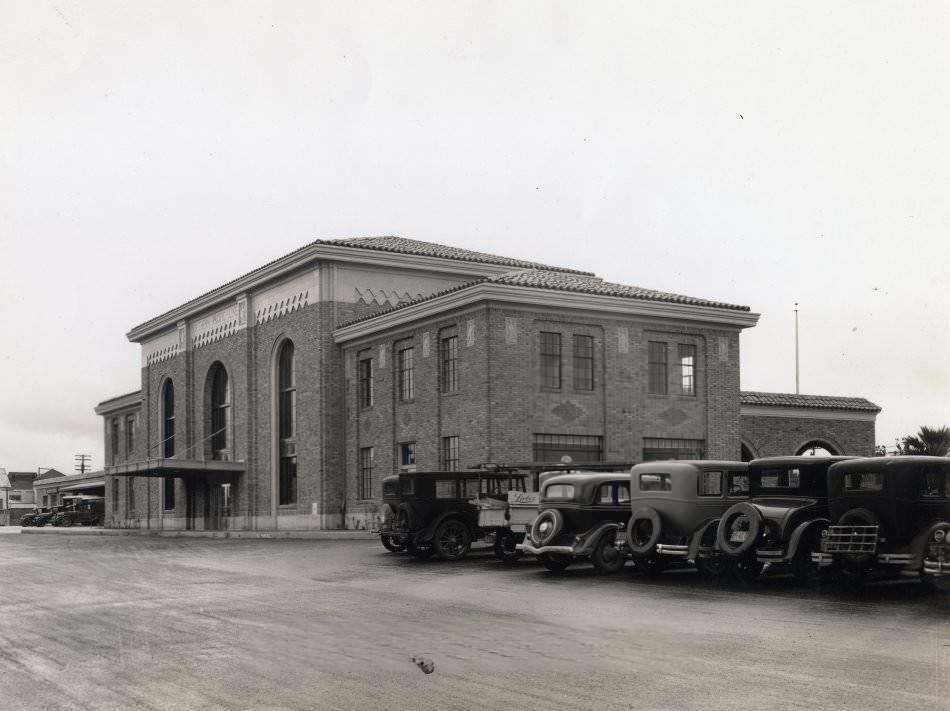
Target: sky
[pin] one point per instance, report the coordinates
(755, 153)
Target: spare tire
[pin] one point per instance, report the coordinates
(546, 526)
(731, 520)
(859, 517)
(643, 531)
(405, 518)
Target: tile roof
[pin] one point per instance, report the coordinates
(826, 402)
(561, 281)
(398, 245)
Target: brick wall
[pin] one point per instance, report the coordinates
(770, 436)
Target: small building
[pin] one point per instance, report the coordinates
(16, 496)
(53, 488)
(282, 398)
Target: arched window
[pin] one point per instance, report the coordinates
(220, 412)
(168, 419)
(287, 423)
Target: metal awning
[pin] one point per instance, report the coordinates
(197, 469)
(84, 485)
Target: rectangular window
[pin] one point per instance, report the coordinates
(115, 438)
(623, 493)
(115, 496)
(449, 358)
(869, 481)
(738, 484)
(287, 485)
(445, 488)
(407, 456)
(780, 478)
(129, 435)
(558, 491)
(710, 484)
(450, 454)
(933, 483)
(605, 495)
(406, 374)
(366, 382)
(687, 358)
(657, 368)
(16, 497)
(655, 482)
(365, 488)
(659, 448)
(130, 496)
(583, 362)
(169, 486)
(579, 448)
(550, 360)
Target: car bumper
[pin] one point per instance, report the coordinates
(529, 547)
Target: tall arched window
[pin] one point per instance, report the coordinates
(168, 419)
(287, 424)
(220, 412)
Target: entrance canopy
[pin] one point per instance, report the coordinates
(190, 469)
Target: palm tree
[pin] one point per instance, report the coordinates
(934, 441)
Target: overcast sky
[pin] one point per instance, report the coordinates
(755, 153)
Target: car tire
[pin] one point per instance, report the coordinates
(405, 518)
(555, 562)
(804, 571)
(452, 539)
(421, 550)
(606, 558)
(859, 517)
(745, 569)
(712, 566)
(546, 526)
(505, 543)
(650, 565)
(726, 524)
(390, 543)
(643, 531)
(65, 522)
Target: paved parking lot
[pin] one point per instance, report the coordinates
(118, 623)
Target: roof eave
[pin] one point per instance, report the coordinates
(117, 404)
(302, 258)
(548, 298)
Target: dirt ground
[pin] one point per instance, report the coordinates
(137, 623)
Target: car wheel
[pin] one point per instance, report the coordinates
(505, 550)
(393, 543)
(936, 583)
(452, 539)
(643, 531)
(555, 562)
(742, 518)
(651, 565)
(546, 526)
(421, 550)
(606, 558)
(860, 517)
(65, 522)
(803, 569)
(745, 569)
(711, 566)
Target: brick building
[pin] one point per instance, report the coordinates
(280, 399)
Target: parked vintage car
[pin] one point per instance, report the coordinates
(676, 506)
(86, 512)
(436, 512)
(27, 519)
(891, 516)
(782, 522)
(579, 518)
(45, 516)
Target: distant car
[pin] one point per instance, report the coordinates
(437, 511)
(782, 522)
(676, 506)
(891, 516)
(580, 515)
(27, 519)
(88, 512)
(45, 516)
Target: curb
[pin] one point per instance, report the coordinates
(305, 535)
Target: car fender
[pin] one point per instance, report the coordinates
(592, 536)
(800, 531)
(697, 537)
(921, 542)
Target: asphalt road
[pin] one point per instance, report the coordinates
(136, 623)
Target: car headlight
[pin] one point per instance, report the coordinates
(824, 533)
(940, 534)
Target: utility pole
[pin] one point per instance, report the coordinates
(796, 348)
(83, 462)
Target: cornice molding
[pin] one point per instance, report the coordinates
(118, 404)
(553, 300)
(807, 413)
(306, 258)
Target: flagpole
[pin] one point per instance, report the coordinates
(796, 348)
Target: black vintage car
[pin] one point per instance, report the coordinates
(890, 516)
(782, 521)
(87, 512)
(45, 516)
(676, 506)
(27, 519)
(392, 543)
(580, 515)
(437, 511)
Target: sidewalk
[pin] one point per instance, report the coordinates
(153, 533)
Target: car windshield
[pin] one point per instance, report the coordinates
(559, 491)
